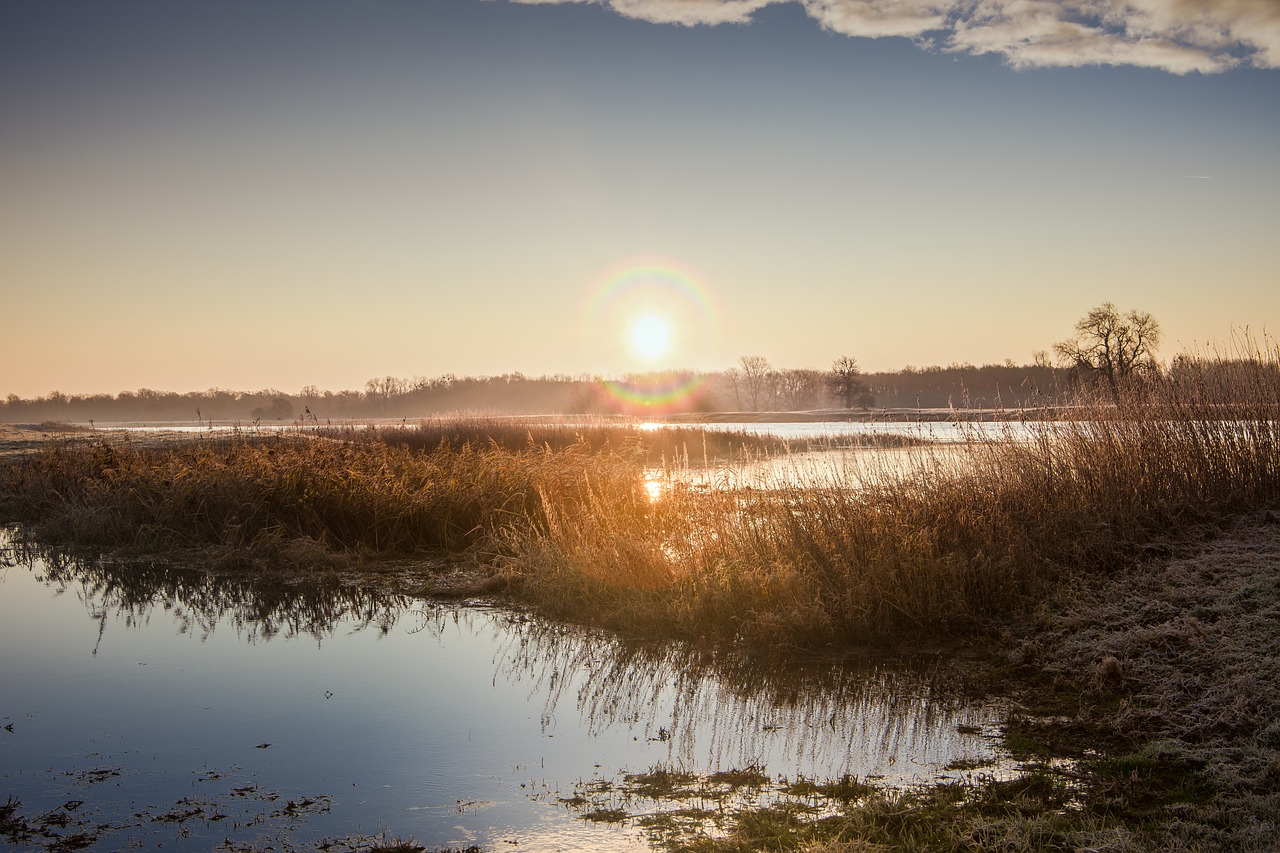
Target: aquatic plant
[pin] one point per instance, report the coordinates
(269, 494)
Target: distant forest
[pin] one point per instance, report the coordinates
(753, 386)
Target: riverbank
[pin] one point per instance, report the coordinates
(1143, 717)
(597, 522)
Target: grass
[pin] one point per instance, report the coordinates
(564, 515)
(966, 536)
(1038, 810)
(1122, 802)
(256, 492)
(652, 444)
(1075, 546)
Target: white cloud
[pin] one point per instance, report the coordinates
(1041, 33)
(1174, 35)
(1224, 25)
(877, 18)
(1178, 36)
(689, 13)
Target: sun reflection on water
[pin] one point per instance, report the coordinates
(654, 488)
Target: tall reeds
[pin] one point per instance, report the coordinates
(962, 536)
(247, 491)
(937, 541)
(648, 442)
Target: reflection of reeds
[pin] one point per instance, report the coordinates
(723, 708)
(134, 591)
(706, 705)
(938, 543)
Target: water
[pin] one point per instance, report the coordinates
(938, 442)
(925, 431)
(151, 707)
(932, 446)
(932, 431)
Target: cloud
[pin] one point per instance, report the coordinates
(689, 13)
(1178, 36)
(878, 18)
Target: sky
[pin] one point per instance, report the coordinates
(253, 194)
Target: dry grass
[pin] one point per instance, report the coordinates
(652, 444)
(964, 536)
(251, 492)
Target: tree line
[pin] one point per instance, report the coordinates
(1109, 348)
(751, 386)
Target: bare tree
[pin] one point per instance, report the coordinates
(799, 388)
(844, 381)
(1112, 344)
(733, 378)
(756, 373)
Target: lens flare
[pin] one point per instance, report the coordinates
(650, 315)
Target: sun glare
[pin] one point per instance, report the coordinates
(650, 336)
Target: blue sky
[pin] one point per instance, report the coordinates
(251, 194)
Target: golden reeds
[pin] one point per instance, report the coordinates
(237, 491)
(940, 544)
(962, 537)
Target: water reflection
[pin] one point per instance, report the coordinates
(825, 469)
(257, 608)
(712, 707)
(400, 711)
(722, 709)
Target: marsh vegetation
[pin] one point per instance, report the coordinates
(992, 544)
(567, 518)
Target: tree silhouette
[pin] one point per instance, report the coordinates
(756, 373)
(844, 381)
(1112, 345)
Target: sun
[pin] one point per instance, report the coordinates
(650, 336)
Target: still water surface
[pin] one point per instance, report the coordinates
(934, 431)
(177, 709)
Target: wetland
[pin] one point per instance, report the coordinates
(148, 705)
(1048, 636)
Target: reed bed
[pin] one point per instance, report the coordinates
(946, 543)
(937, 542)
(258, 491)
(651, 443)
